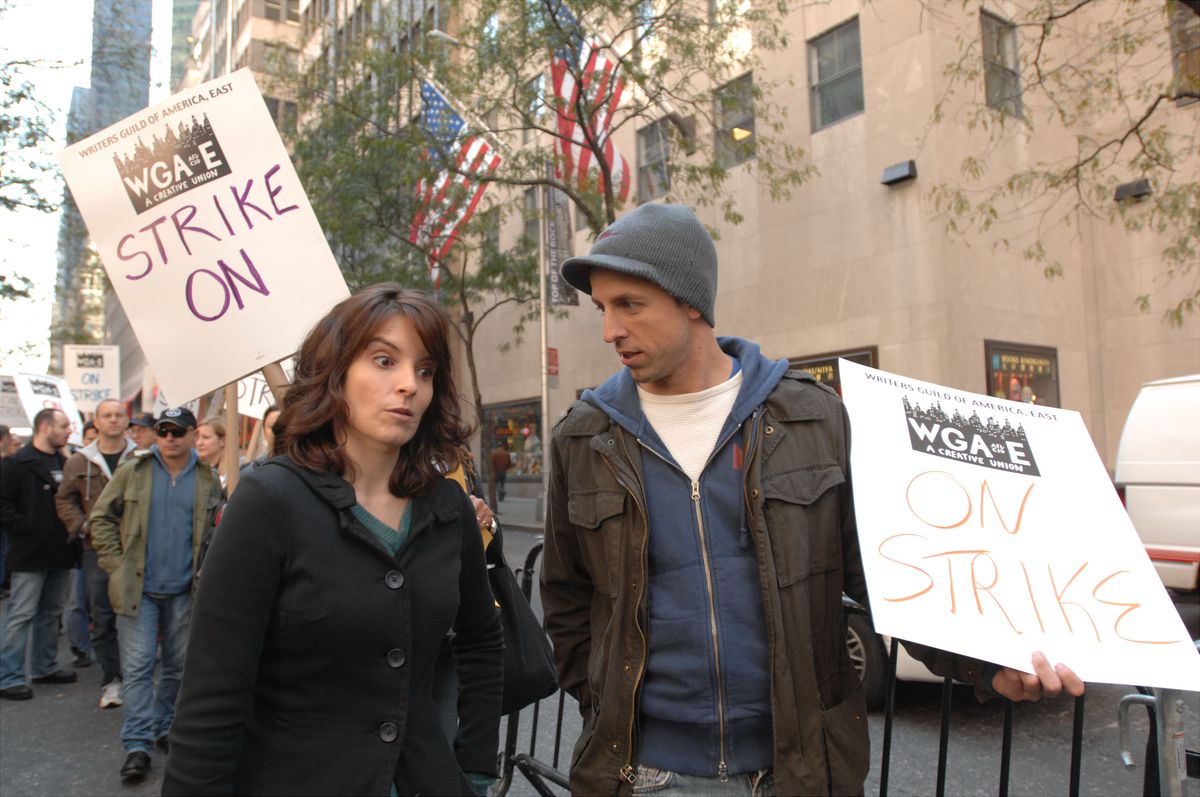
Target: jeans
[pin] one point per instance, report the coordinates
(148, 715)
(79, 615)
(34, 609)
(660, 782)
(104, 622)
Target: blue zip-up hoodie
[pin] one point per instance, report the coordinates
(169, 534)
(703, 572)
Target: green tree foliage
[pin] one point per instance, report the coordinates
(361, 155)
(1117, 76)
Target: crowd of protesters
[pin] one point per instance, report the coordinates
(301, 625)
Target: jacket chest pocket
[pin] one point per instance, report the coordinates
(804, 520)
(598, 514)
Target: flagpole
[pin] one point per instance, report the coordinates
(543, 277)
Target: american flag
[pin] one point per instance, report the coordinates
(602, 87)
(447, 202)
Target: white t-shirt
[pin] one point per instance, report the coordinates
(690, 423)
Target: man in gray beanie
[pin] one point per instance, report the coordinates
(699, 536)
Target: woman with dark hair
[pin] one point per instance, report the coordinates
(338, 568)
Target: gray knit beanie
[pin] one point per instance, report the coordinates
(665, 244)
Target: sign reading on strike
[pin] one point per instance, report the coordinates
(94, 374)
(991, 528)
(206, 234)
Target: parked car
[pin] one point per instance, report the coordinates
(869, 654)
(1158, 476)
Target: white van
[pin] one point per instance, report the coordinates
(1158, 475)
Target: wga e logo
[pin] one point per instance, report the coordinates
(186, 157)
(970, 440)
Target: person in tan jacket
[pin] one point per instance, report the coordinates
(84, 478)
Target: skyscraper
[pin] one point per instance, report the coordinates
(120, 78)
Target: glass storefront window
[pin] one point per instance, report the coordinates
(824, 366)
(1019, 372)
(519, 424)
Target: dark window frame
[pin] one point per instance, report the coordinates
(818, 82)
(653, 173)
(1001, 80)
(738, 93)
(993, 351)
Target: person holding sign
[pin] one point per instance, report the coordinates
(700, 536)
(335, 573)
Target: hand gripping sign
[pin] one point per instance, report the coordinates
(990, 528)
(206, 234)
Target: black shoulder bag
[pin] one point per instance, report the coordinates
(528, 659)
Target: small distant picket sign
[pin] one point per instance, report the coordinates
(206, 234)
(991, 528)
(94, 374)
(34, 393)
(12, 411)
(254, 394)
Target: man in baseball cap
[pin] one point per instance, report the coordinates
(141, 430)
(176, 499)
(711, 484)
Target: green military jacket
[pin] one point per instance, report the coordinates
(121, 516)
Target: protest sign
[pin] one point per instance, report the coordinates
(12, 411)
(94, 374)
(37, 392)
(990, 528)
(254, 394)
(206, 234)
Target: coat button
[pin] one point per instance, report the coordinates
(770, 430)
(754, 493)
(395, 658)
(388, 732)
(394, 579)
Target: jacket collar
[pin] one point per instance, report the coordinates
(193, 460)
(339, 494)
(618, 396)
(31, 457)
(91, 453)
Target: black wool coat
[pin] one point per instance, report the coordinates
(37, 538)
(312, 652)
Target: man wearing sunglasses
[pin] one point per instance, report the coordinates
(146, 528)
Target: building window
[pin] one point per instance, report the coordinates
(735, 121)
(825, 366)
(518, 424)
(644, 25)
(282, 10)
(1018, 372)
(1185, 48)
(653, 151)
(533, 224)
(1001, 69)
(835, 75)
(535, 112)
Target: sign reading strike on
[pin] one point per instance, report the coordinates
(990, 528)
(206, 234)
(94, 374)
(37, 392)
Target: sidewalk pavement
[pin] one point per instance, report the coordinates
(520, 514)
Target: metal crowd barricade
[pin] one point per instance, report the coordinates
(1168, 764)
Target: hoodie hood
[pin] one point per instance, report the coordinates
(91, 452)
(618, 396)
